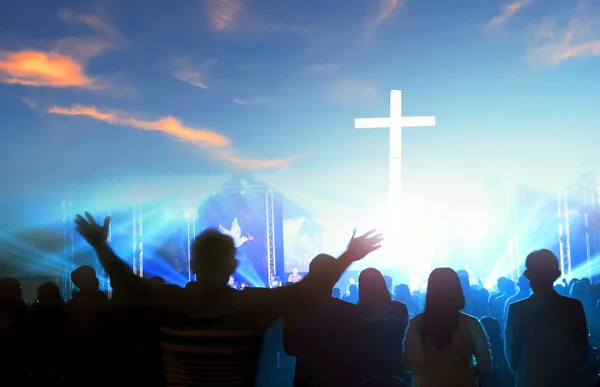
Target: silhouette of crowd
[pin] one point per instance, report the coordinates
(311, 333)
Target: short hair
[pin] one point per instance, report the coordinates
(82, 276)
(212, 249)
(541, 261)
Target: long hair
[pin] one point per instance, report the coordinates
(443, 304)
(372, 287)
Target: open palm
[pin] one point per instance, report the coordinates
(360, 247)
(91, 231)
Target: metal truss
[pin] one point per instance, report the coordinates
(68, 247)
(270, 224)
(564, 235)
(137, 262)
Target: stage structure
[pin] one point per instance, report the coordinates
(68, 231)
(564, 235)
(191, 217)
(137, 261)
(270, 222)
(591, 218)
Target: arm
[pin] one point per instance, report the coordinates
(513, 338)
(296, 300)
(483, 354)
(144, 293)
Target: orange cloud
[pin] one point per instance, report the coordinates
(223, 14)
(216, 144)
(64, 65)
(385, 10)
(38, 68)
(508, 11)
(194, 75)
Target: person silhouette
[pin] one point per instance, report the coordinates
(546, 333)
(215, 334)
(441, 342)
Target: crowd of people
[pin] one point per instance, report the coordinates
(309, 333)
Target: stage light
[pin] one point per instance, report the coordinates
(190, 214)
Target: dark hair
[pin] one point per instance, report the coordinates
(443, 303)
(372, 287)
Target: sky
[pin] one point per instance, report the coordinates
(92, 91)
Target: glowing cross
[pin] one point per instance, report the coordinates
(395, 122)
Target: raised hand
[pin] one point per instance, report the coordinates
(91, 231)
(360, 247)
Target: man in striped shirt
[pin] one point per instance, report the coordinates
(214, 336)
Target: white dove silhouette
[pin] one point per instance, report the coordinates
(235, 233)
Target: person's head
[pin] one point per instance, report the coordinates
(295, 270)
(541, 270)
(492, 327)
(11, 292)
(444, 290)
(402, 292)
(523, 284)
(244, 285)
(213, 258)
(231, 279)
(443, 302)
(84, 277)
(156, 280)
(320, 266)
(372, 287)
(49, 294)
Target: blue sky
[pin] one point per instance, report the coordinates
(191, 88)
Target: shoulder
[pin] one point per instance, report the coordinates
(570, 301)
(469, 320)
(417, 319)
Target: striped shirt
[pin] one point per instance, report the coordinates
(209, 352)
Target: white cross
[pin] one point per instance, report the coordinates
(395, 122)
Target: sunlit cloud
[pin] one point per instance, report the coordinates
(249, 101)
(385, 9)
(217, 145)
(194, 74)
(579, 36)
(508, 11)
(223, 14)
(64, 65)
(347, 90)
(38, 68)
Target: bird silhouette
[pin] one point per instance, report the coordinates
(235, 233)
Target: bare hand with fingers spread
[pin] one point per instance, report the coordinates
(360, 247)
(91, 231)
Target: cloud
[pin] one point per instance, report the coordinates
(223, 14)
(29, 102)
(385, 9)
(218, 145)
(192, 74)
(323, 68)
(91, 21)
(249, 101)
(347, 90)
(508, 11)
(38, 68)
(577, 36)
(64, 65)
